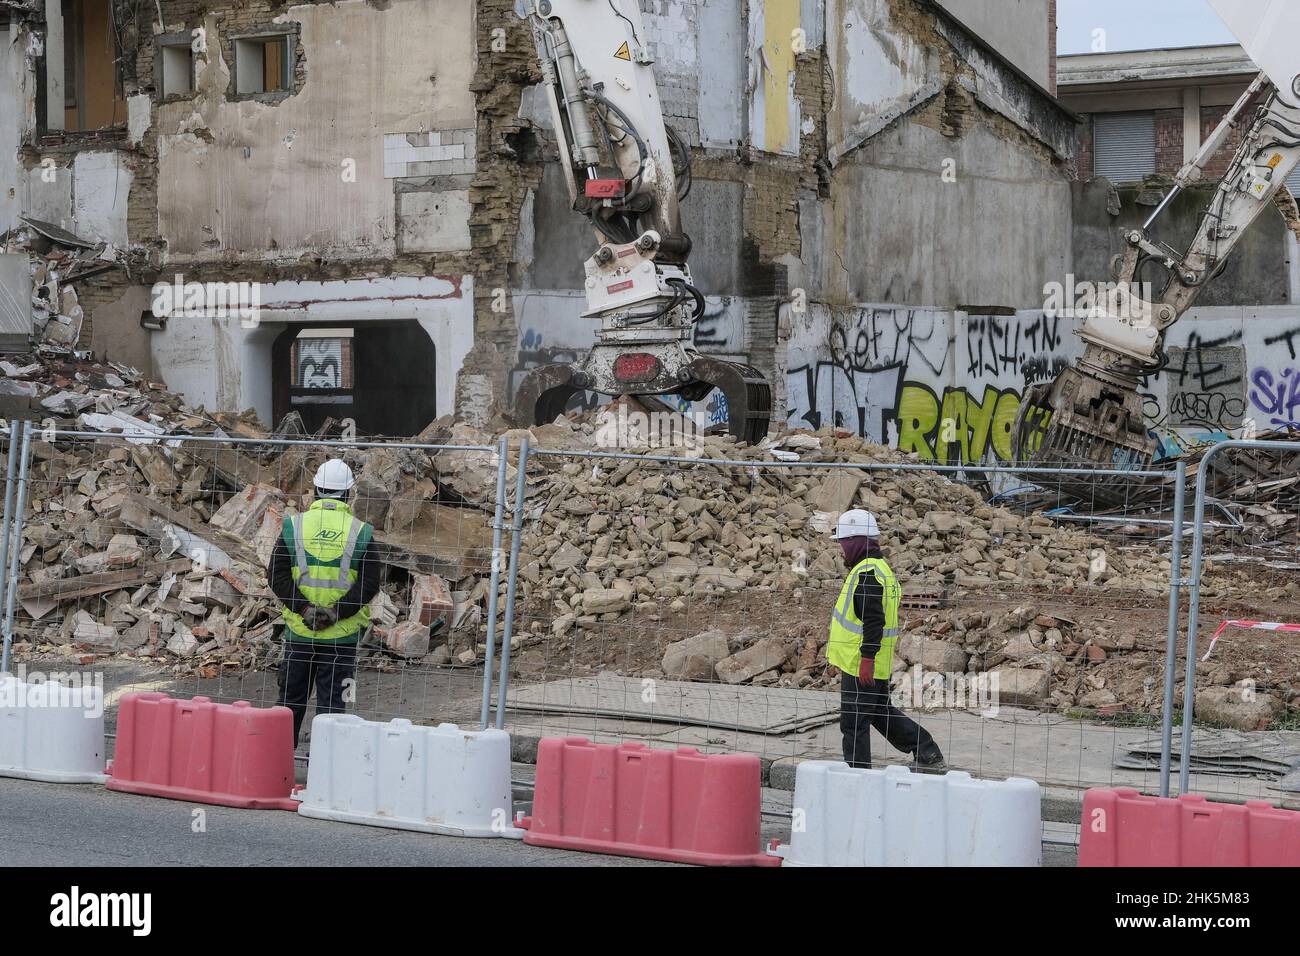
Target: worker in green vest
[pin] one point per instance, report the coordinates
(864, 630)
(325, 574)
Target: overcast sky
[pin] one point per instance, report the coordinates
(1137, 24)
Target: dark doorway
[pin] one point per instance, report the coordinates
(379, 374)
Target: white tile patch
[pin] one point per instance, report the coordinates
(443, 146)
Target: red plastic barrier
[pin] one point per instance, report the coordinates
(631, 800)
(1122, 827)
(235, 754)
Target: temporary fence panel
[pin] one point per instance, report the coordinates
(685, 599)
(143, 561)
(1246, 538)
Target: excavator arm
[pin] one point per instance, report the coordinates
(1091, 416)
(627, 172)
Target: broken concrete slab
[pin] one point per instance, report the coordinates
(761, 656)
(695, 657)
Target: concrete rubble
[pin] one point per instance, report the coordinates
(145, 545)
(153, 546)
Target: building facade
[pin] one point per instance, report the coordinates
(882, 191)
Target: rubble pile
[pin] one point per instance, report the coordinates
(151, 545)
(610, 542)
(154, 544)
(660, 535)
(59, 259)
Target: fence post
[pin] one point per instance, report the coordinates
(503, 451)
(11, 464)
(11, 575)
(1171, 642)
(1194, 604)
(512, 578)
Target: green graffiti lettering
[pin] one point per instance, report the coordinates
(1004, 423)
(918, 417)
(955, 402)
(980, 419)
(958, 430)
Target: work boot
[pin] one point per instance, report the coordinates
(929, 759)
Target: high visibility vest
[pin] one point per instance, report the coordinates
(327, 543)
(844, 649)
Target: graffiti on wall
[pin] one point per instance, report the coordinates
(1026, 347)
(859, 387)
(1276, 393)
(319, 363)
(861, 400)
(1274, 387)
(944, 387)
(960, 427)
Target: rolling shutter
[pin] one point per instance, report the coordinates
(1124, 146)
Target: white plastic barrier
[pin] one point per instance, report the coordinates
(51, 732)
(434, 779)
(893, 817)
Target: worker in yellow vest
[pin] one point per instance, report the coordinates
(325, 574)
(864, 630)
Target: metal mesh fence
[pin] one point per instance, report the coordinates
(686, 601)
(144, 562)
(1245, 556)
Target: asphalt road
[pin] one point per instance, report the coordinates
(86, 825)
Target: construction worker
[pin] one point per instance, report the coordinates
(864, 630)
(325, 574)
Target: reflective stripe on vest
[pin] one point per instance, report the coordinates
(315, 573)
(305, 579)
(844, 646)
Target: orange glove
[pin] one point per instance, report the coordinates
(865, 675)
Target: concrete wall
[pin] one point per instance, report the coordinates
(896, 230)
(117, 335)
(1021, 30)
(313, 173)
(1258, 273)
(226, 364)
(946, 385)
(13, 121)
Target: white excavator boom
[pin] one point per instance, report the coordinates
(1092, 414)
(627, 172)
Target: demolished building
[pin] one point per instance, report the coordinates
(852, 160)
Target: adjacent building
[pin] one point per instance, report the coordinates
(1232, 358)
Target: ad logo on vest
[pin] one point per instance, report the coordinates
(325, 534)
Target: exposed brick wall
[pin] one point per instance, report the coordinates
(1218, 164)
(1083, 158)
(508, 167)
(1169, 141)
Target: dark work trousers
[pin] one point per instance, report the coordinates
(327, 663)
(862, 708)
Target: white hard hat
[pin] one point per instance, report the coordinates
(334, 475)
(856, 524)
